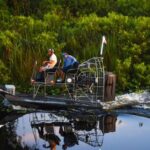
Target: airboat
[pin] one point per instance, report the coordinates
(84, 86)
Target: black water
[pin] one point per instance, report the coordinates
(76, 131)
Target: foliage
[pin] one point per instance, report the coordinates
(4, 73)
(29, 27)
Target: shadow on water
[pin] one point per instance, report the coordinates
(75, 130)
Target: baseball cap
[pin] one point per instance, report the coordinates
(63, 54)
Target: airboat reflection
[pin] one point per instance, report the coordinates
(65, 132)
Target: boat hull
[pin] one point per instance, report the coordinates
(48, 103)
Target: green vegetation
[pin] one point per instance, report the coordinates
(29, 27)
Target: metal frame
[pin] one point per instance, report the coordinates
(93, 77)
(87, 82)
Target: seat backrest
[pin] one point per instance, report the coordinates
(58, 64)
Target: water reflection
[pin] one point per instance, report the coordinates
(63, 130)
(54, 131)
(88, 129)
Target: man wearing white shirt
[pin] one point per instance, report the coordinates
(51, 62)
(47, 65)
